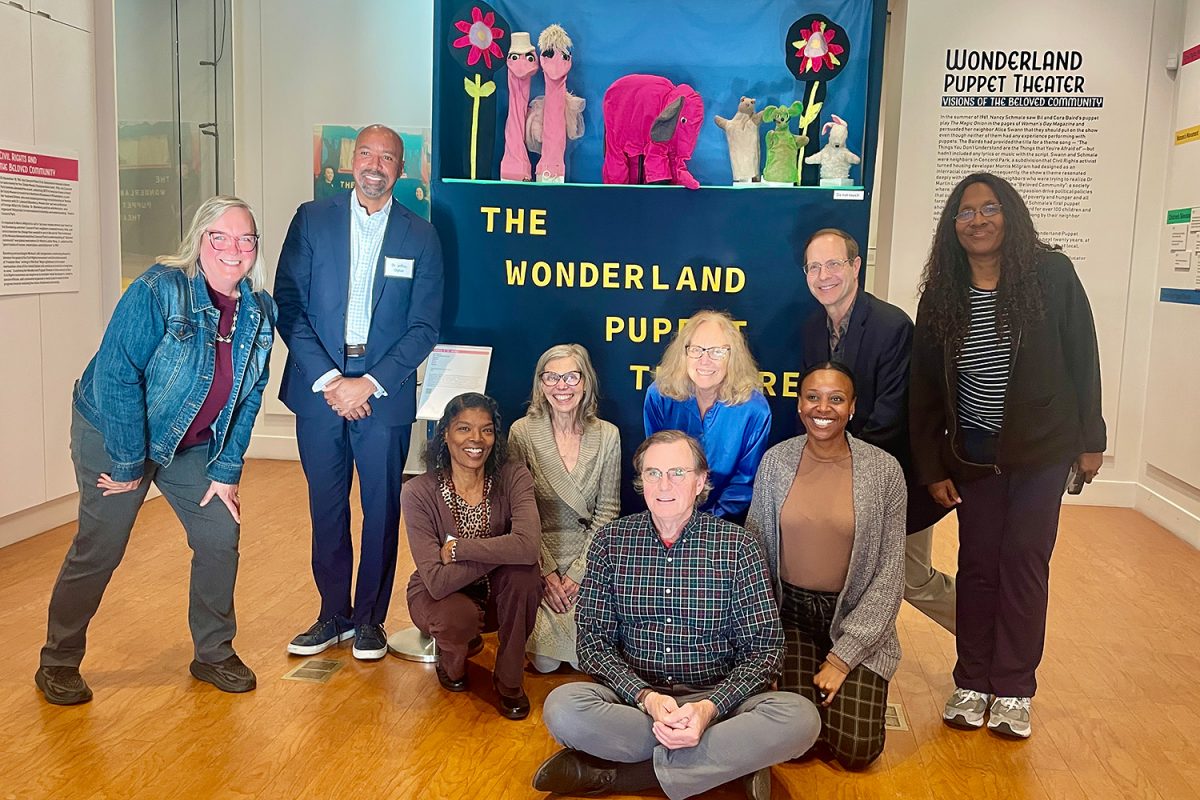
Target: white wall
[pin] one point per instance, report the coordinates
(1169, 476)
(48, 100)
(1125, 277)
(302, 63)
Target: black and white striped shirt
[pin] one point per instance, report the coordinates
(983, 364)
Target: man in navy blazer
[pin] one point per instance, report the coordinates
(359, 289)
(873, 339)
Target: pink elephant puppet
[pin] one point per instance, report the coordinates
(522, 64)
(557, 116)
(649, 119)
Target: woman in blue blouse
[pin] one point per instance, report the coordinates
(709, 387)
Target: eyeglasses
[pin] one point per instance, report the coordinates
(223, 241)
(717, 352)
(833, 266)
(968, 214)
(674, 474)
(571, 378)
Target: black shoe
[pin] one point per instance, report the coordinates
(449, 685)
(758, 784)
(323, 634)
(370, 642)
(572, 772)
(514, 706)
(230, 675)
(62, 686)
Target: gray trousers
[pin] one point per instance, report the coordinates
(99, 545)
(766, 729)
(930, 592)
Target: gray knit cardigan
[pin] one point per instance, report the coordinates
(864, 619)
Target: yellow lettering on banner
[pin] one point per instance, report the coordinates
(613, 326)
(589, 275)
(686, 278)
(662, 327)
(639, 329)
(633, 276)
(789, 385)
(490, 212)
(658, 285)
(610, 275)
(514, 220)
(640, 371)
(613, 274)
(537, 222)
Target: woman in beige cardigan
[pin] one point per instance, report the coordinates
(830, 511)
(575, 459)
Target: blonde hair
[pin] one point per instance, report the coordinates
(741, 375)
(187, 257)
(585, 412)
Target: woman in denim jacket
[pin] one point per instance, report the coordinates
(170, 397)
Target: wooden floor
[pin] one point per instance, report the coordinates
(1115, 716)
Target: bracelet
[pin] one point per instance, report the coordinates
(453, 550)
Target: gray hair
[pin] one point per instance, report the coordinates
(585, 412)
(699, 460)
(187, 257)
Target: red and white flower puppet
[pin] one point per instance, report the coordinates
(480, 35)
(816, 49)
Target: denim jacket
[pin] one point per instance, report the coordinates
(155, 366)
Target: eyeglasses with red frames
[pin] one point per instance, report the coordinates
(224, 241)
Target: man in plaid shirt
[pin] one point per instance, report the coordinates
(678, 625)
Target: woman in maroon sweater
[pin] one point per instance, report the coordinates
(475, 536)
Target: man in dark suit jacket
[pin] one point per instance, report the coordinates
(873, 339)
(359, 288)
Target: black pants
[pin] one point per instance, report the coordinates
(852, 726)
(1007, 526)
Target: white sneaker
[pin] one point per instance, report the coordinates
(1010, 717)
(965, 709)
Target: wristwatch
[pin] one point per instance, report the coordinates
(640, 700)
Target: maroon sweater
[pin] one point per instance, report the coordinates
(516, 531)
(200, 431)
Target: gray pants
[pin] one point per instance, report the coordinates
(99, 545)
(766, 729)
(931, 592)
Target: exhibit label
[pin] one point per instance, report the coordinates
(39, 221)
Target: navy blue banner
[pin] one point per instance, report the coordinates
(617, 268)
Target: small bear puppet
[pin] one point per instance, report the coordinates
(741, 133)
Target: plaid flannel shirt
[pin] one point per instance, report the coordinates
(700, 613)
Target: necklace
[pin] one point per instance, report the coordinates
(228, 339)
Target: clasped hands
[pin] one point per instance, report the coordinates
(560, 592)
(675, 726)
(348, 397)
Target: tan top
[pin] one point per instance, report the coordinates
(816, 525)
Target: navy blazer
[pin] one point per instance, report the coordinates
(877, 349)
(312, 288)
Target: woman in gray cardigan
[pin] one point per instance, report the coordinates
(830, 511)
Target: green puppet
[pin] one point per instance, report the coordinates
(783, 146)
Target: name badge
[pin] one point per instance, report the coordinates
(397, 267)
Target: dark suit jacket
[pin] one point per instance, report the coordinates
(312, 287)
(876, 349)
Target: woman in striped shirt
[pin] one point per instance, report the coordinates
(1004, 404)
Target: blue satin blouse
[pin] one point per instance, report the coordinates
(734, 439)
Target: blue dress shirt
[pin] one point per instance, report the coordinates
(734, 439)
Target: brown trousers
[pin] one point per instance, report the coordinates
(515, 590)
